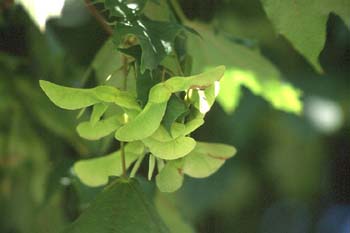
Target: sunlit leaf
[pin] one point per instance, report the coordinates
(206, 159)
(144, 125)
(95, 172)
(100, 129)
(170, 177)
(165, 146)
(76, 98)
(121, 207)
(203, 100)
(304, 22)
(282, 96)
(202, 80)
(169, 150)
(212, 49)
(41, 10)
(67, 97)
(159, 94)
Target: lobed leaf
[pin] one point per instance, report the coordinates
(125, 9)
(206, 159)
(281, 95)
(304, 22)
(156, 38)
(239, 58)
(121, 207)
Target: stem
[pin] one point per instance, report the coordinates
(122, 148)
(178, 11)
(122, 144)
(136, 166)
(125, 72)
(94, 12)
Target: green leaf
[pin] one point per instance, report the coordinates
(170, 178)
(109, 68)
(200, 81)
(179, 129)
(156, 39)
(97, 112)
(106, 61)
(95, 172)
(171, 215)
(159, 94)
(41, 11)
(303, 22)
(76, 98)
(100, 129)
(158, 10)
(163, 146)
(282, 96)
(121, 207)
(204, 99)
(125, 9)
(176, 108)
(151, 116)
(241, 59)
(144, 124)
(67, 97)
(206, 159)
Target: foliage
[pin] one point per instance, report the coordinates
(120, 207)
(308, 38)
(150, 87)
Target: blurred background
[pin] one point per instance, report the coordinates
(291, 173)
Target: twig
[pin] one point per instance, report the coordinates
(94, 12)
(122, 148)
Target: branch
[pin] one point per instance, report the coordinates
(94, 12)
